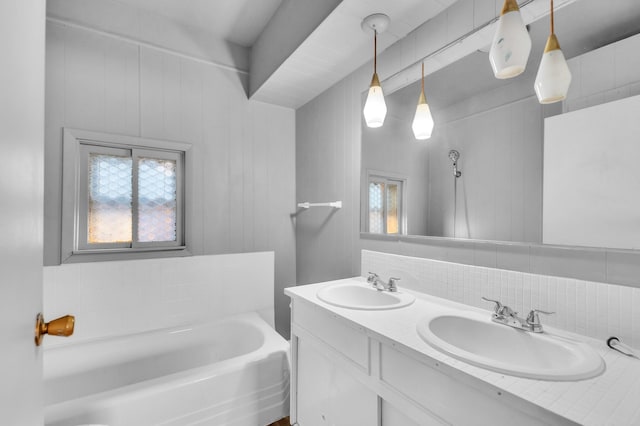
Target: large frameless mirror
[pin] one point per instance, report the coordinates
(482, 173)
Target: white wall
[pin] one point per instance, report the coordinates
(120, 18)
(591, 176)
(243, 175)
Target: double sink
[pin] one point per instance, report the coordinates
(473, 337)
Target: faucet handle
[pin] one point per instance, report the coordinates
(534, 319)
(498, 308)
(393, 284)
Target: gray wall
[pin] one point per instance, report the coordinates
(329, 248)
(328, 169)
(243, 176)
(499, 194)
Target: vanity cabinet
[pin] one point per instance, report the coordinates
(327, 394)
(345, 375)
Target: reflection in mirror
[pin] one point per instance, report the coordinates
(496, 126)
(385, 205)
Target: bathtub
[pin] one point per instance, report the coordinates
(230, 372)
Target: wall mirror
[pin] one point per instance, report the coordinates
(489, 132)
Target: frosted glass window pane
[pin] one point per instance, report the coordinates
(109, 219)
(157, 200)
(392, 209)
(376, 210)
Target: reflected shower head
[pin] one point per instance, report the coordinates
(454, 156)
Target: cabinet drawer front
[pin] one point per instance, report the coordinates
(351, 342)
(444, 396)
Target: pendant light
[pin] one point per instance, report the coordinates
(375, 108)
(554, 78)
(511, 43)
(423, 121)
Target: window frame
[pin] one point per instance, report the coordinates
(77, 144)
(375, 176)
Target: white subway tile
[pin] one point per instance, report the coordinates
(626, 314)
(110, 298)
(613, 309)
(635, 323)
(602, 325)
(570, 303)
(589, 308)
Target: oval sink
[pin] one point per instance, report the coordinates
(477, 340)
(357, 295)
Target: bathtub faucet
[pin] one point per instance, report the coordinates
(380, 285)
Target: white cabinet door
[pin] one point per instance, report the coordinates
(391, 416)
(329, 396)
(21, 181)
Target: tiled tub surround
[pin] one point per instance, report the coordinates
(412, 381)
(117, 298)
(588, 308)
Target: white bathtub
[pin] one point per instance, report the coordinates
(231, 372)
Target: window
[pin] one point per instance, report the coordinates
(122, 194)
(385, 205)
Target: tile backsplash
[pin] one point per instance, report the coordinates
(114, 298)
(593, 309)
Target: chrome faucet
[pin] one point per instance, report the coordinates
(380, 285)
(503, 314)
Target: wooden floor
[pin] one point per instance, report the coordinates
(281, 422)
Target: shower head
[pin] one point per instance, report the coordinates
(454, 156)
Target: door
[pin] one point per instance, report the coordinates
(22, 46)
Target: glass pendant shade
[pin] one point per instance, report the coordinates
(422, 125)
(375, 109)
(511, 43)
(554, 78)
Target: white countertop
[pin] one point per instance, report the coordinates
(612, 398)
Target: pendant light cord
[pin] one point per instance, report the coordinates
(552, 26)
(422, 85)
(375, 50)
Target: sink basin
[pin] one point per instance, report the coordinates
(358, 295)
(474, 338)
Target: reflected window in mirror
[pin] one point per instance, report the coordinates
(385, 205)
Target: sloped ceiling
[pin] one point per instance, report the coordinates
(293, 50)
(332, 50)
(237, 21)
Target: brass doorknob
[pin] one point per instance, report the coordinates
(62, 326)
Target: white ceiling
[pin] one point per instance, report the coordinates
(339, 46)
(237, 21)
(333, 47)
(581, 26)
